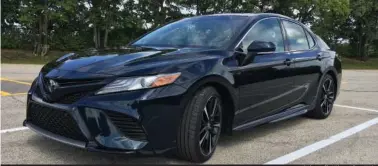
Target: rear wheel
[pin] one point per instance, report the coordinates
(325, 99)
(201, 126)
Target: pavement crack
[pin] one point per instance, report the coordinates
(18, 100)
(347, 90)
(278, 142)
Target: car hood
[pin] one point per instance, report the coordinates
(126, 61)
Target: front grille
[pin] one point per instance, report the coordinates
(64, 99)
(71, 98)
(127, 125)
(74, 82)
(56, 121)
(74, 89)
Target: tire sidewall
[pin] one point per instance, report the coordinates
(319, 97)
(203, 100)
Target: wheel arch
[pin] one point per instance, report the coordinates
(228, 95)
(333, 73)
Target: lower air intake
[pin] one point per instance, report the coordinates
(55, 121)
(128, 125)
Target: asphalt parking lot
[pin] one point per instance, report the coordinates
(348, 136)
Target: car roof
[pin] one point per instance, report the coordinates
(251, 15)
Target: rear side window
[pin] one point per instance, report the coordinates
(310, 40)
(296, 36)
(322, 44)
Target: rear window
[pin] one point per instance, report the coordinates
(310, 40)
(296, 36)
(322, 44)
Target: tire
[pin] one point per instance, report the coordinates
(196, 129)
(324, 99)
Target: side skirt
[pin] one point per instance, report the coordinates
(289, 113)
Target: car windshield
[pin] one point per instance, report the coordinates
(206, 31)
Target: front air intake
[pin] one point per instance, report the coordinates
(127, 125)
(55, 121)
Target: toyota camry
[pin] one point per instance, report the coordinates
(179, 87)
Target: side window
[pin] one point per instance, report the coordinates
(310, 40)
(268, 30)
(296, 36)
(322, 44)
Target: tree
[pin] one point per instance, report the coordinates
(9, 13)
(364, 19)
(10, 34)
(35, 16)
(78, 24)
(330, 18)
(102, 16)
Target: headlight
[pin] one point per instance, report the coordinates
(135, 83)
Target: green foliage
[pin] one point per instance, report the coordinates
(331, 16)
(364, 17)
(349, 26)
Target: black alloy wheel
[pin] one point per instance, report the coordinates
(201, 126)
(325, 99)
(210, 125)
(328, 97)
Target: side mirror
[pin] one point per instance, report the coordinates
(254, 49)
(261, 46)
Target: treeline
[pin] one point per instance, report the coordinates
(349, 26)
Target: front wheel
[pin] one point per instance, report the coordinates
(325, 99)
(201, 126)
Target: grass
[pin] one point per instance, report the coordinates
(26, 57)
(348, 63)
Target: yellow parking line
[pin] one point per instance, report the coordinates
(5, 93)
(15, 81)
(15, 94)
(12, 94)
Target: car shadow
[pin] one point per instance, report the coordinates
(71, 155)
(239, 137)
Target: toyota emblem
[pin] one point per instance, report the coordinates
(52, 85)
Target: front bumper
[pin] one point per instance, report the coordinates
(79, 144)
(157, 112)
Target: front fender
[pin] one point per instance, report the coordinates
(207, 72)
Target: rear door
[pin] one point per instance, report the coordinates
(307, 61)
(265, 85)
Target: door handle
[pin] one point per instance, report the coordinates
(319, 57)
(288, 62)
